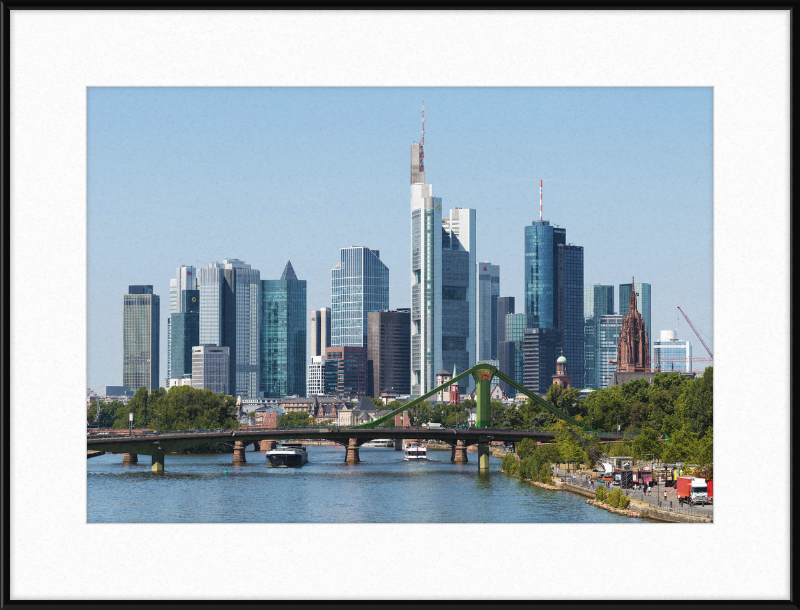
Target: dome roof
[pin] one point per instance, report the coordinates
(561, 359)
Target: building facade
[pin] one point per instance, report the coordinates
(672, 355)
(598, 300)
(320, 330)
(315, 381)
(541, 278)
(140, 337)
(359, 284)
(539, 354)
(569, 307)
(184, 321)
(351, 369)
(486, 310)
(283, 336)
(389, 351)
(607, 340)
(230, 316)
(210, 368)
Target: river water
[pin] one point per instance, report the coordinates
(383, 488)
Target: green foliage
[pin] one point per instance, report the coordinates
(295, 420)
(182, 408)
(498, 414)
(614, 498)
(535, 467)
(600, 493)
(646, 443)
(525, 448)
(564, 399)
(510, 463)
(624, 501)
(378, 403)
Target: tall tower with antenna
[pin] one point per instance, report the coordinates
(540, 200)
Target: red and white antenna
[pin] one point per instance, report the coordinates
(540, 201)
(422, 141)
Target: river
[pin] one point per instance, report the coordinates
(383, 488)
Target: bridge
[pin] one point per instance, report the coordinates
(351, 437)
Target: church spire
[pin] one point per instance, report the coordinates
(632, 300)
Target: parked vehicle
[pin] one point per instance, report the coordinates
(692, 490)
(433, 426)
(710, 485)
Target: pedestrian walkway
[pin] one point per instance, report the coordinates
(655, 498)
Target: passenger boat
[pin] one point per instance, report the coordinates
(379, 442)
(415, 451)
(287, 455)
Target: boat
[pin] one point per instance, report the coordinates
(415, 451)
(287, 455)
(379, 442)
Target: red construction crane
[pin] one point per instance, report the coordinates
(696, 333)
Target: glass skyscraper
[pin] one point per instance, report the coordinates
(283, 335)
(642, 304)
(183, 324)
(569, 300)
(607, 339)
(598, 300)
(672, 355)
(140, 338)
(359, 284)
(486, 310)
(230, 316)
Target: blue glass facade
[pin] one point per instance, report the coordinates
(570, 308)
(598, 300)
(359, 284)
(283, 336)
(672, 355)
(607, 339)
(541, 287)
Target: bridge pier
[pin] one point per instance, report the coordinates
(459, 454)
(238, 452)
(351, 452)
(266, 445)
(483, 457)
(158, 462)
(130, 458)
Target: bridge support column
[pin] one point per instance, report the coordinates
(238, 452)
(158, 462)
(459, 455)
(130, 458)
(351, 452)
(483, 457)
(266, 445)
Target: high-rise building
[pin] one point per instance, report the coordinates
(672, 355)
(598, 300)
(320, 330)
(510, 350)
(642, 302)
(283, 336)
(210, 365)
(230, 316)
(183, 324)
(607, 340)
(359, 284)
(505, 306)
(351, 363)
(569, 308)
(486, 310)
(539, 354)
(140, 337)
(442, 282)
(389, 351)
(315, 383)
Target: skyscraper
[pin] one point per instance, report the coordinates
(283, 335)
(539, 355)
(607, 340)
(598, 300)
(351, 366)
(320, 330)
(140, 338)
(210, 368)
(505, 350)
(642, 302)
(672, 355)
(230, 307)
(183, 322)
(486, 310)
(359, 284)
(569, 307)
(389, 351)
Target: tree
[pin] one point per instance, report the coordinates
(525, 448)
(294, 420)
(564, 399)
(378, 403)
(646, 443)
(498, 414)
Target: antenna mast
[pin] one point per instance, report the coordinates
(422, 142)
(540, 201)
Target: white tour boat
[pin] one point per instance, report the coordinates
(415, 451)
(379, 442)
(287, 455)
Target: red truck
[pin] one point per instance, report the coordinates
(710, 485)
(692, 490)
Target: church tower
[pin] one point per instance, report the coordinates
(633, 346)
(562, 377)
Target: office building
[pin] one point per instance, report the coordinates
(505, 353)
(505, 306)
(351, 368)
(210, 368)
(672, 355)
(607, 340)
(389, 351)
(315, 381)
(359, 284)
(642, 302)
(183, 324)
(283, 336)
(486, 310)
(320, 330)
(230, 316)
(598, 300)
(540, 350)
(140, 337)
(569, 307)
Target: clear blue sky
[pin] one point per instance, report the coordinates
(194, 175)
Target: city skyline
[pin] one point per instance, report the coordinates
(612, 172)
